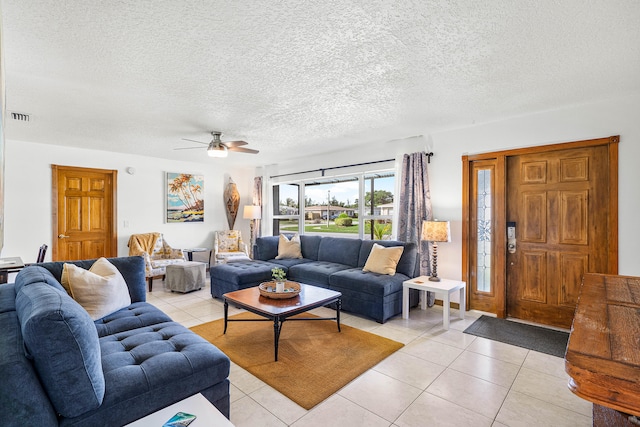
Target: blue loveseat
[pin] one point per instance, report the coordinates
(58, 367)
(329, 262)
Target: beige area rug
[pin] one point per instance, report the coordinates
(314, 359)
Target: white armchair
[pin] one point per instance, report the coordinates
(228, 246)
(156, 252)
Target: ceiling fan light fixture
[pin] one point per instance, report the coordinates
(217, 150)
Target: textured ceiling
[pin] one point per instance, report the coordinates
(294, 77)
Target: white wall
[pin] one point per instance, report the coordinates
(598, 120)
(141, 197)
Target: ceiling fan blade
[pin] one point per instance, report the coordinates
(243, 150)
(192, 140)
(189, 148)
(230, 144)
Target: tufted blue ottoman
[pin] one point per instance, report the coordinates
(239, 275)
(165, 358)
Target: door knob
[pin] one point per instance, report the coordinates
(62, 236)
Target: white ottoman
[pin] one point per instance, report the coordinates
(186, 276)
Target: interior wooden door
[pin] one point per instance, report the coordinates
(84, 223)
(559, 202)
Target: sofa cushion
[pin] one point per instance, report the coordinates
(383, 260)
(101, 290)
(164, 362)
(289, 247)
(137, 315)
(340, 250)
(367, 282)
(239, 273)
(290, 262)
(315, 272)
(310, 246)
(266, 248)
(62, 341)
(36, 274)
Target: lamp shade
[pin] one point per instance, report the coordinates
(252, 212)
(436, 231)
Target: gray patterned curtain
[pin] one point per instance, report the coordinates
(415, 206)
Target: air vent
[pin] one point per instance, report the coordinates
(21, 117)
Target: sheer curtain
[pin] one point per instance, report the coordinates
(415, 206)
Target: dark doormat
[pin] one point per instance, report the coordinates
(536, 338)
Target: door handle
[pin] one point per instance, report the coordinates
(62, 236)
(511, 237)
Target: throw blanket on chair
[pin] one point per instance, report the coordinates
(141, 243)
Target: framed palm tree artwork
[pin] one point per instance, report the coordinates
(185, 197)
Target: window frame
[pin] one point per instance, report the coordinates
(363, 216)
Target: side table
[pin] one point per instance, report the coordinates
(444, 287)
(9, 265)
(190, 252)
(198, 405)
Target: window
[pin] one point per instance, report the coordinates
(333, 206)
(378, 206)
(484, 221)
(286, 211)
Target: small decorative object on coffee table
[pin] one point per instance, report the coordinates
(279, 276)
(270, 290)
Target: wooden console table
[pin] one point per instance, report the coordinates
(603, 354)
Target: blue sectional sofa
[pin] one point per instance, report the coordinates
(329, 262)
(59, 367)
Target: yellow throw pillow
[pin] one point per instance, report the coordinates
(101, 290)
(383, 260)
(289, 248)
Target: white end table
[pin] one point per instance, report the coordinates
(444, 287)
(198, 405)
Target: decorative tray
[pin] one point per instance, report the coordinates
(268, 289)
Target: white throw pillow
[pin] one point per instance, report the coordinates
(101, 290)
(289, 248)
(383, 260)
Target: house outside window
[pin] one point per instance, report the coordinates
(333, 207)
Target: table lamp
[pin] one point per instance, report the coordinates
(252, 212)
(436, 231)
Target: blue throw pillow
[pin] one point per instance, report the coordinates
(62, 340)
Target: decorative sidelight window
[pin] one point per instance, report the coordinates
(484, 229)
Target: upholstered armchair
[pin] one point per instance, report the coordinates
(228, 247)
(156, 252)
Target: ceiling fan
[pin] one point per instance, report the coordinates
(217, 148)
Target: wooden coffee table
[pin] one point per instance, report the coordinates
(279, 310)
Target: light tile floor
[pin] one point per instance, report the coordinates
(439, 378)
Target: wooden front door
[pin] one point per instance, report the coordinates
(84, 223)
(559, 202)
